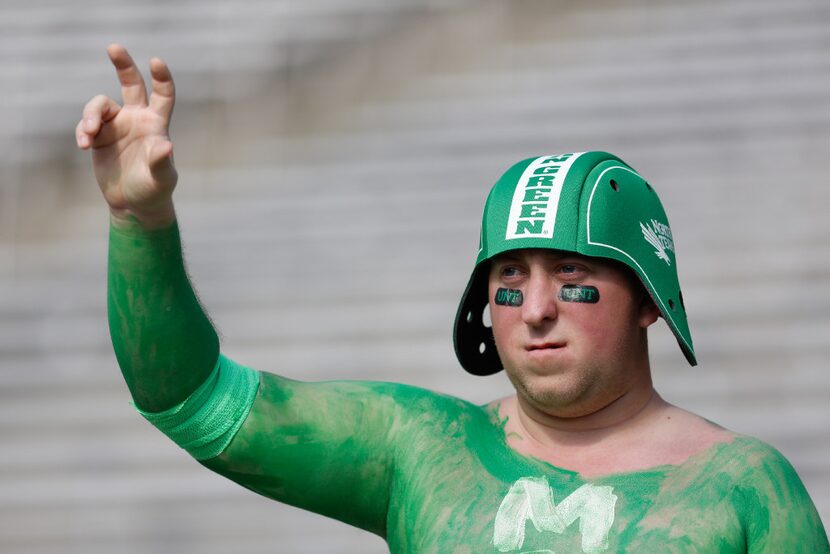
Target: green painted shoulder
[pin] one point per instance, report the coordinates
(433, 416)
(736, 496)
(770, 499)
(337, 447)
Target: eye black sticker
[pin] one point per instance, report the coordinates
(579, 293)
(509, 297)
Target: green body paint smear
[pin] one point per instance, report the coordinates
(432, 473)
(164, 342)
(509, 297)
(579, 293)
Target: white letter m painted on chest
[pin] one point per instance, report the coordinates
(530, 498)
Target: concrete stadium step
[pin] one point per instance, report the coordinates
(249, 43)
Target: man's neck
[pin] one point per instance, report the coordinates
(629, 410)
(630, 434)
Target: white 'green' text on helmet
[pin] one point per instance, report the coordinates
(591, 203)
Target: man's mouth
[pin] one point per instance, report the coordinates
(544, 346)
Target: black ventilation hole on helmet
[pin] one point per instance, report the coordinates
(648, 186)
(615, 186)
(671, 304)
(485, 317)
(680, 295)
(469, 317)
(481, 348)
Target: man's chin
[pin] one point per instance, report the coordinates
(548, 390)
(560, 407)
(545, 364)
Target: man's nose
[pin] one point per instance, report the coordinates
(539, 303)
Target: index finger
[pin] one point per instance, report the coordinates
(133, 91)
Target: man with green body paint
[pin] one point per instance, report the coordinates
(585, 457)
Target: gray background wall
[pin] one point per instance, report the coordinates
(334, 158)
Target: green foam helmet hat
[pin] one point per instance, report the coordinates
(591, 203)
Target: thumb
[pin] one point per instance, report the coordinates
(160, 159)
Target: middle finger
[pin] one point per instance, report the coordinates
(133, 90)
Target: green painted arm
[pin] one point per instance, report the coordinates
(325, 447)
(165, 344)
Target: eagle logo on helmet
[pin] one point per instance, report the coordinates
(659, 236)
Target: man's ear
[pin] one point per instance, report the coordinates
(649, 313)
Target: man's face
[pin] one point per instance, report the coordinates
(572, 352)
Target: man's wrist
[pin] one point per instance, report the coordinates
(131, 220)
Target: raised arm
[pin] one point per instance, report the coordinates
(324, 447)
(164, 342)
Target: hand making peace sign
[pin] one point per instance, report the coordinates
(132, 154)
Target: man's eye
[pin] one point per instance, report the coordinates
(569, 269)
(510, 272)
